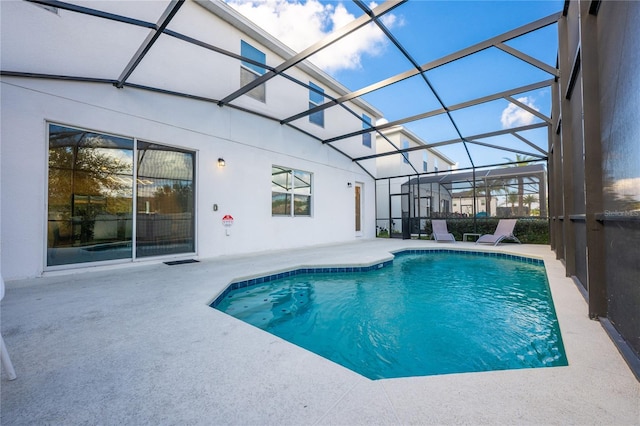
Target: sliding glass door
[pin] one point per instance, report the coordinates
(91, 195)
(165, 219)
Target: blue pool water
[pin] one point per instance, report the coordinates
(424, 314)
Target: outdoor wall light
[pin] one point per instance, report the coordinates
(221, 162)
(348, 184)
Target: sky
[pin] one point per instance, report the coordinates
(429, 30)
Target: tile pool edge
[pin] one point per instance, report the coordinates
(294, 271)
(532, 260)
(262, 278)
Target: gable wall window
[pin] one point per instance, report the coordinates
(405, 155)
(249, 71)
(290, 192)
(366, 124)
(424, 162)
(316, 98)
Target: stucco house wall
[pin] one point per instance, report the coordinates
(249, 143)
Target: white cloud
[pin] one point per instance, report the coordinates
(514, 116)
(299, 25)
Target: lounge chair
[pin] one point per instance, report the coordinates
(504, 231)
(440, 231)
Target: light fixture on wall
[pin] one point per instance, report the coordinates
(348, 184)
(221, 162)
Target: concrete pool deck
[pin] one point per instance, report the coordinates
(139, 345)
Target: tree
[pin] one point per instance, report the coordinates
(528, 200)
(520, 161)
(512, 198)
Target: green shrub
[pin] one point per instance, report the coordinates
(382, 233)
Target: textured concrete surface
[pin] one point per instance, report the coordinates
(139, 345)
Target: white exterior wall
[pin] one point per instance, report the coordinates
(249, 144)
(394, 165)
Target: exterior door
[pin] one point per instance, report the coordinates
(359, 209)
(400, 216)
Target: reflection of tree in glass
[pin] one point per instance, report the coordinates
(89, 175)
(280, 203)
(81, 164)
(176, 198)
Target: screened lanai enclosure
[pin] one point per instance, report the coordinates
(510, 69)
(406, 204)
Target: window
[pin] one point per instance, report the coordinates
(405, 155)
(435, 165)
(91, 193)
(250, 71)
(90, 202)
(424, 162)
(290, 192)
(316, 98)
(366, 124)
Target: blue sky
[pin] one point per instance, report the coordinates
(429, 30)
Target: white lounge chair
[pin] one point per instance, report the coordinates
(440, 231)
(504, 231)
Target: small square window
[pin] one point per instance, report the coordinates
(249, 71)
(316, 98)
(366, 124)
(405, 155)
(259, 93)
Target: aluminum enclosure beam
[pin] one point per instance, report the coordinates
(509, 35)
(93, 12)
(452, 141)
(151, 38)
(531, 144)
(370, 16)
(406, 54)
(439, 111)
(313, 49)
(530, 110)
(502, 148)
(529, 59)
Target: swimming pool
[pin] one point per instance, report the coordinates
(425, 313)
